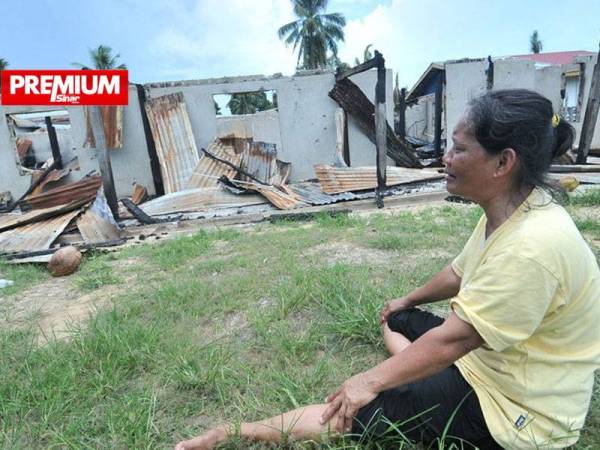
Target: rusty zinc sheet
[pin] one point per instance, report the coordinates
(94, 228)
(38, 215)
(281, 197)
(334, 180)
(55, 175)
(23, 146)
(112, 121)
(260, 161)
(35, 236)
(311, 192)
(83, 190)
(201, 199)
(97, 223)
(208, 171)
(174, 140)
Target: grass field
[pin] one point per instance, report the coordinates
(229, 324)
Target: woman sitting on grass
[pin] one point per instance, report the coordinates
(513, 364)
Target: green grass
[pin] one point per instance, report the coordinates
(589, 197)
(222, 325)
(23, 276)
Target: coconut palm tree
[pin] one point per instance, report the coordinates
(249, 103)
(314, 33)
(102, 59)
(535, 43)
(367, 55)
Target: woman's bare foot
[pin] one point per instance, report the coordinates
(206, 441)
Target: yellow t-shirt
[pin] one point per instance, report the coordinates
(532, 291)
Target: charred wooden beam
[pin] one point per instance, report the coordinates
(437, 126)
(53, 142)
(370, 64)
(137, 212)
(380, 129)
(350, 97)
(489, 74)
(591, 115)
(401, 131)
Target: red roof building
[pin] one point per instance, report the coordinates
(554, 58)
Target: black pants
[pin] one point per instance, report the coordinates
(422, 410)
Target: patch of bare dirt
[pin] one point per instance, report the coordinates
(346, 252)
(56, 306)
(587, 212)
(350, 253)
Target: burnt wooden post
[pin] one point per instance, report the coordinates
(104, 160)
(591, 115)
(380, 128)
(53, 143)
(489, 72)
(402, 114)
(437, 136)
(341, 136)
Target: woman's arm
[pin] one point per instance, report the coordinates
(445, 284)
(431, 353)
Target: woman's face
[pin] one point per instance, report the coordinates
(469, 168)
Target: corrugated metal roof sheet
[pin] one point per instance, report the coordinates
(280, 196)
(313, 194)
(97, 224)
(201, 199)
(83, 190)
(23, 146)
(208, 171)
(112, 120)
(260, 161)
(343, 179)
(175, 145)
(39, 215)
(94, 228)
(55, 175)
(35, 236)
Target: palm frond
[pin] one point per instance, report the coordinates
(288, 28)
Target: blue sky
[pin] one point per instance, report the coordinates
(183, 39)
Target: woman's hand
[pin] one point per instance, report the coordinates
(355, 393)
(392, 306)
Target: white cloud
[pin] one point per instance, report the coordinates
(214, 38)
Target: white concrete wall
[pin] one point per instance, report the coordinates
(548, 83)
(464, 81)
(514, 74)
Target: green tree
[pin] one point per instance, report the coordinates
(314, 33)
(102, 58)
(249, 103)
(367, 55)
(534, 42)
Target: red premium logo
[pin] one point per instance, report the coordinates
(64, 87)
